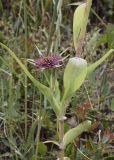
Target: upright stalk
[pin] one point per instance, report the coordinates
(52, 27)
(39, 116)
(58, 25)
(61, 135)
(10, 101)
(26, 51)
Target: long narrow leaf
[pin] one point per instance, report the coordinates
(93, 66)
(75, 132)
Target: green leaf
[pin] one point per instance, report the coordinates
(77, 23)
(42, 88)
(74, 75)
(93, 66)
(80, 21)
(75, 132)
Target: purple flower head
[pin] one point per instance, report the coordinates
(48, 62)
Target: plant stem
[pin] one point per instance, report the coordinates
(58, 25)
(39, 116)
(26, 51)
(61, 135)
(11, 87)
(52, 27)
(38, 137)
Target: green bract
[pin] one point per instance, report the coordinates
(80, 21)
(77, 23)
(74, 75)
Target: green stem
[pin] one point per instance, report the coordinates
(38, 137)
(61, 135)
(58, 25)
(2, 92)
(11, 87)
(39, 127)
(52, 27)
(26, 52)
